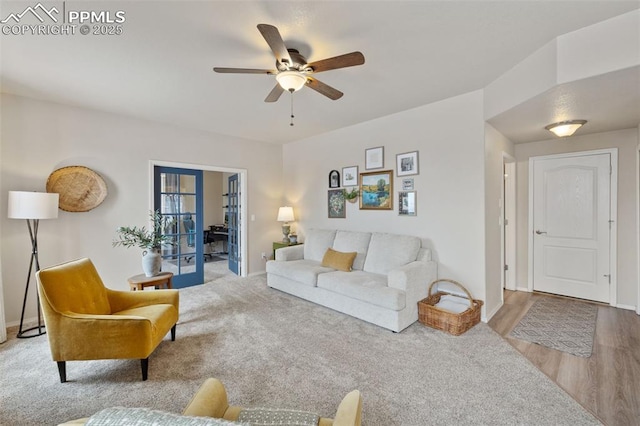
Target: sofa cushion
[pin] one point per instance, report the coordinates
(364, 286)
(316, 243)
(353, 241)
(304, 271)
(118, 416)
(390, 251)
(338, 260)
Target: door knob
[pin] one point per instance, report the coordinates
(539, 232)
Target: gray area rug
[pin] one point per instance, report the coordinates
(275, 350)
(561, 324)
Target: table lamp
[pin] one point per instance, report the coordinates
(32, 206)
(285, 214)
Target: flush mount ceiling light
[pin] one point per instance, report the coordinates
(291, 81)
(565, 128)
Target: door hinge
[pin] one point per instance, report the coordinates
(608, 277)
(506, 221)
(506, 267)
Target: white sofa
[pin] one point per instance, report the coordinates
(390, 275)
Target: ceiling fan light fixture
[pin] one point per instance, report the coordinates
(565, 128)
(291, 81)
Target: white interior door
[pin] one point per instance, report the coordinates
(571, 225)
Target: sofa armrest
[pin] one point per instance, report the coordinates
(290, 253)
(122, 300)
(413, 278)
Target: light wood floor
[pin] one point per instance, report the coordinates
(608, 383)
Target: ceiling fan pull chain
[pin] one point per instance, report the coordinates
(291, 124)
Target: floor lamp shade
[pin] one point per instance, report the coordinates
(32, 205)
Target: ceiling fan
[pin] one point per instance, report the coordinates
(292, 69)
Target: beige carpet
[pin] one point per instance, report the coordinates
(272, 349)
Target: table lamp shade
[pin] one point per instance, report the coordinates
(32, 205)
(285, 214)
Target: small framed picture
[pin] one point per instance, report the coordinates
(336, 204)
(350, 176)
(407, 184)
(334, 179)
(407, 203)
(374, 158)
(407, 163)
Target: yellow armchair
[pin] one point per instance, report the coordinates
(87, 321)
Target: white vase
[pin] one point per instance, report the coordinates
(151, 262)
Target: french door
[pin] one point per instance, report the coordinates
(234, 224)
(178, 195)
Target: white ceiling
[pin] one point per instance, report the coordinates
(417, 52)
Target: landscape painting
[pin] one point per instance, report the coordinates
(376, 190)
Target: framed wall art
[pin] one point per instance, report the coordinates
(407, 184)
(374, 158)
(407, 203)
(376, 190)
(407, 163)
(350, 176)
(336, 204)
(334, 179)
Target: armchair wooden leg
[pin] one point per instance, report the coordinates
(173, 333)
(62, 369)
(144, 363)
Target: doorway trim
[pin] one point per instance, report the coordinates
(508, 232)
(613, 209)
(209, 168)
(638, 224)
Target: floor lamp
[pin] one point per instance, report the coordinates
(32, 206)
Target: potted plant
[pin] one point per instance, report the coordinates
(351, 196)
(149, 240)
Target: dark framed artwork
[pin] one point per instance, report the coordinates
(407, 163)
(350, 176)
(376, 190)
(337, 207)
(374, 158)
(334, 179)
(407, 203)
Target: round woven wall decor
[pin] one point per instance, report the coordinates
(80, 188)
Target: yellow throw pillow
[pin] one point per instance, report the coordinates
(339, 260)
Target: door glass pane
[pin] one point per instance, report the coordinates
(188, 184)
(188, 204)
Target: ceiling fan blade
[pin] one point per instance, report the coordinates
(324, 89)
(243, 71)
(275, 42)
(275, 93)
(342, 61)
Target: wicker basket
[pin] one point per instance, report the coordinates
(451, 322)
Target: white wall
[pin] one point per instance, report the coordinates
(495, 145)
(626, 141)
(39, 137)
(212, 188)
(449, 136)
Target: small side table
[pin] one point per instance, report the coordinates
(139, 282)
(280, 244)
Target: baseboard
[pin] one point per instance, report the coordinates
(487, 316)
(256, 274)
(627, 307)
(526, 289)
